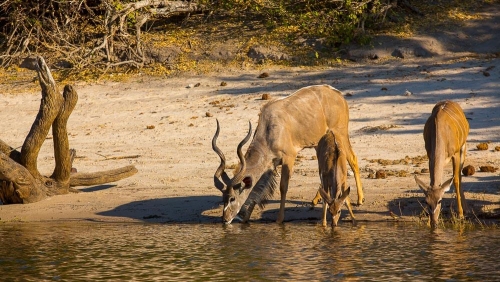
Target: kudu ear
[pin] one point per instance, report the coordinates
(344, 190)
(446, 186)
(422, 185)
(345, 194)
(337, 145)
(326, 197)
(248, 182)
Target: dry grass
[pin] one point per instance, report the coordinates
(197, 35)
(439, 15)
(455, 222)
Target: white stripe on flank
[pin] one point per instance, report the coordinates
(456, 117)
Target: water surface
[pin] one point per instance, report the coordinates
(87, 251)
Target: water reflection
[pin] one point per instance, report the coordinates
(257, 252)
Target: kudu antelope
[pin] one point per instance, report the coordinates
(445, 135)
(285, 127)
(332, 163)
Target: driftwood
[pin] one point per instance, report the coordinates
(20, 180)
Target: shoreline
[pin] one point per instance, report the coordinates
(166, 126)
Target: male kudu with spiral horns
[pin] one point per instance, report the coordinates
(445, 136)
(285, 127)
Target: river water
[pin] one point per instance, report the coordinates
(89, 251)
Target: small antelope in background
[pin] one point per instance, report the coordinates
(445, 135)
(332, 163)
(285, 127)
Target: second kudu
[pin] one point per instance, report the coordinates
(332, 163)
(445, 135)
(285, 127)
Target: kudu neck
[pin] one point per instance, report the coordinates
(437, 162)
(258, 159)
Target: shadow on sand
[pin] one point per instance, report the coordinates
(204, 209)
(207, 209)
(195, 209)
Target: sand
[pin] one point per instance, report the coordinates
(164, 127)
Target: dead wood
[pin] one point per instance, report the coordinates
(9, 151)
(117, 34)
(97, 178)
(99, 34)
(20, 180)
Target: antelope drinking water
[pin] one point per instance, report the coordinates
(445, 135)
(332, 163)
(285, 127)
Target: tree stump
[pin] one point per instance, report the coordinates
(20, 180)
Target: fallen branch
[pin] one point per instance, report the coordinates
(120, 157)
(97, 178)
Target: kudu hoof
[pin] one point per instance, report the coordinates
(313, 204)
(360, 202)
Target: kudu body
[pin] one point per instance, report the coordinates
(332, 163)
(285, 127)
(445, 135)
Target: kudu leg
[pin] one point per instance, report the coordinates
(349, 207)
(353, 163)
(325, 203)
(458, 161)
(286, 171)
(462, 162)
(317, 198)
(323, 213)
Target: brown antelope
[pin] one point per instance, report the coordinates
(285, 127)
(445, 135)
(332, 163)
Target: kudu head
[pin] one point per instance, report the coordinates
(235, 191)
(433, 197)
(335, 205)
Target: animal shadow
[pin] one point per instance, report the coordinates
(194, 209)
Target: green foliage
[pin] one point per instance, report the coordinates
(85, 32)
(338, 21)
(46, 25)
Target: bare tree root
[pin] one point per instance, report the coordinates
(20, 180)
